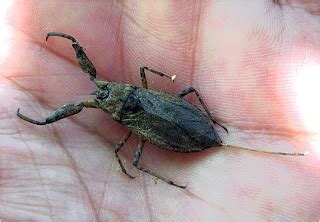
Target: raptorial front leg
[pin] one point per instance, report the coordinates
(62, 112)
(191, 90)
(136, 163)
(83, 60)
(117, 149)
(144, 79)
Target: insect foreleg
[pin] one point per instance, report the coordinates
(84, 62)
(62, 112)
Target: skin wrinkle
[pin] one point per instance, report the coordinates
(31, 96)
(194, 195)
(72, 162)
(35, 165)
(121, 39)
(46, 45)
(27, 209)
(134, 22)
(194, 39)
(74, 167)
(100, 204)
(148, 203)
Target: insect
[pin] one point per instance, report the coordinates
(165, 120)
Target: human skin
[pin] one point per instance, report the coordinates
(239, 57)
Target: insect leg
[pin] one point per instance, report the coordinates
(136, 163)
(81, 56)
(191, 90)
(62, 112)
(118, 147)
(143, 75)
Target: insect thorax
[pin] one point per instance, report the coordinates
(118, 94)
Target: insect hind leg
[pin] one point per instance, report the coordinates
(193, 90)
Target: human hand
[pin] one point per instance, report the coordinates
(241, 58)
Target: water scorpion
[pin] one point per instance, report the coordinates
(165, 120)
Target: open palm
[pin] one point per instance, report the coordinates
(239, 57)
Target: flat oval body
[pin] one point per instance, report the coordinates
(168, 121)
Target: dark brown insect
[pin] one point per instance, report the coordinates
(163, 119)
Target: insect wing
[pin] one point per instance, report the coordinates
(169, 121)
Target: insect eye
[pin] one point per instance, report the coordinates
(104, 87)
(101, 94)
